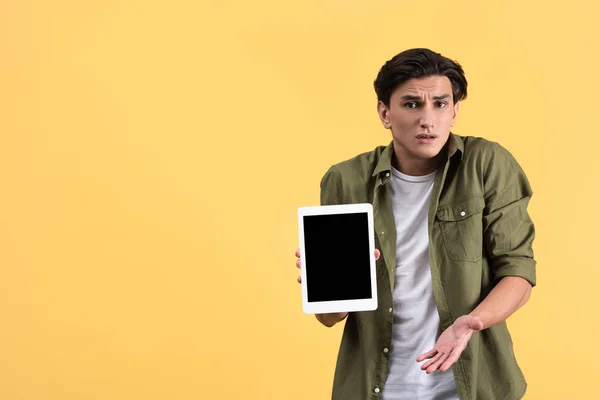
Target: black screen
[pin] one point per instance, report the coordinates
(337, 257)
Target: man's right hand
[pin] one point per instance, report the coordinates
(329, 319)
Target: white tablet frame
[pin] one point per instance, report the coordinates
(338, 305)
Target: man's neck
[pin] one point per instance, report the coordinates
(416, 167)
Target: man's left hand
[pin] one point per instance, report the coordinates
(451, 344)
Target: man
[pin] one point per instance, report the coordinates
(456, 243)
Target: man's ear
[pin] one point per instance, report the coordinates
(455, 113)
(384, 115)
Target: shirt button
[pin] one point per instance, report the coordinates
(385, 350)
(376, 390)
(390, 310)
(387, 174)
(462, 213)
(382, 232)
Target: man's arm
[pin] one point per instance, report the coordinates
(510, 294)
(507, 238)
(506, 297)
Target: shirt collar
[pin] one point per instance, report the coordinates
(455, 144)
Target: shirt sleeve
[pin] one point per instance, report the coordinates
(331, 188)
(508, 231)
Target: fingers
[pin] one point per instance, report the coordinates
(451, 359)
(429, 354)
(434, 367)
(432, 361)
(298, 264)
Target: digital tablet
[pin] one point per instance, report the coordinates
(337, 251)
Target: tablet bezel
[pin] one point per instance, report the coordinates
(322, 307)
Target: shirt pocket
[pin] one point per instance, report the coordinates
(462, 229)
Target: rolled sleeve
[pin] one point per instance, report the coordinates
(508, 231)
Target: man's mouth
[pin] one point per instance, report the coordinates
(425, 136)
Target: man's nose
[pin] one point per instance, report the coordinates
(426, 119)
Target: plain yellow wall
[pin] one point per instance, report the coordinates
(153, 156)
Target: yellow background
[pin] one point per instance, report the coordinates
(153, 156)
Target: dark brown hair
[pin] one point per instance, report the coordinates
(419, 63)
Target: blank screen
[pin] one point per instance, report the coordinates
(337, 257)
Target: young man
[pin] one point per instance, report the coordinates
(456, 243)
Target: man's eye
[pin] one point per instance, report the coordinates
(410, 104)
(441, 104)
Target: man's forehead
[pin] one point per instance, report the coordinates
(433, 85)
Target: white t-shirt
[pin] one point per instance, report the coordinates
(416, 320)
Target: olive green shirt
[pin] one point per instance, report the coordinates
(479, 232)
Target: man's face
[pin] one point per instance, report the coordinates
(420, 115)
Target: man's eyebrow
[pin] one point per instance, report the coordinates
(441, 97)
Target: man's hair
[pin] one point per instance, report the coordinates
(419, 63)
